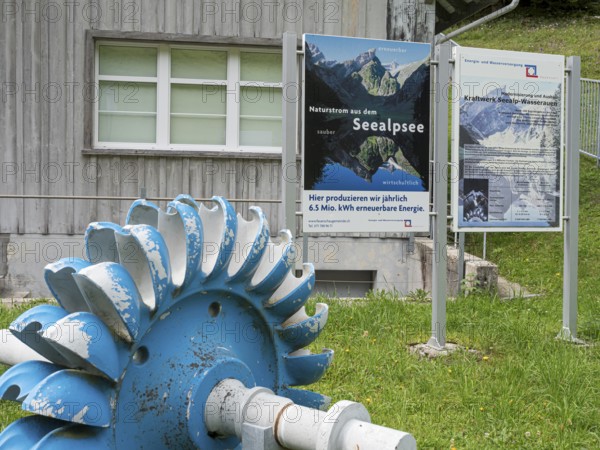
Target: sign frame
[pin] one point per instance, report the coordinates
(344, 208)
(520, 69)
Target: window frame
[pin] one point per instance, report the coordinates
(163, 81)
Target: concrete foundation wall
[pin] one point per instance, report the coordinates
(477, 272)
(398, 264)
(23, 258)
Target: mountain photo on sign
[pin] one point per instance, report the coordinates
(366, 114)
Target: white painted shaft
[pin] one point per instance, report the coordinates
(13, 351)
(231, 404)
(346, 426)
(220, 402)
(367, 436)
(298, 427)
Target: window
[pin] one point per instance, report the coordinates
(157, 96)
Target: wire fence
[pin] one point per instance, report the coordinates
(590, 118)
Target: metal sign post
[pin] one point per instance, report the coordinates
(571, 251)
(290, 119)
(440, 199)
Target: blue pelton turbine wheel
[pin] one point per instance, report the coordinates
(183, 329)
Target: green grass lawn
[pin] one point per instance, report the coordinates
(525, 390)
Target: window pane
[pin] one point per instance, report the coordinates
(265, 67)
(139, 97)
(260, 132)
(202, 99)
(127, 61)
(255, 101)
(199, 64)
(198, 130)
(126, 128)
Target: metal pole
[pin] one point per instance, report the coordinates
(440, 201)
(290, 119)
(484, 255)
(461, 260)
(597, 90)
(587, 115)
(569, 329)
(496, 14)
(304, 247)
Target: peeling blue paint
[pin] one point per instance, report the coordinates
(143, 371)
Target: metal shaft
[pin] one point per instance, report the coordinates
(231, 407)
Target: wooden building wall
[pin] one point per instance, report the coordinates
(43, 75)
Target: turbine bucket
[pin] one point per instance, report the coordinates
(181, 228)
(275, 265)
(25, 433)
(143, 252)
(85, 341)
(300, 329)
(76, 436)
(113, 296)
(220, 228)
(143, 212)
(18, 381)
(28, 325)
(100, 242)
(73, 396)
(251, 242)
(304, 367)
(60, 281)
(292, 294)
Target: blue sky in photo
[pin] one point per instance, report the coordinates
(342, 49)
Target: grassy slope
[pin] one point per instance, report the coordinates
(562, 35)
(526, 390)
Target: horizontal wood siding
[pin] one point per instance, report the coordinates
(43, 130)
